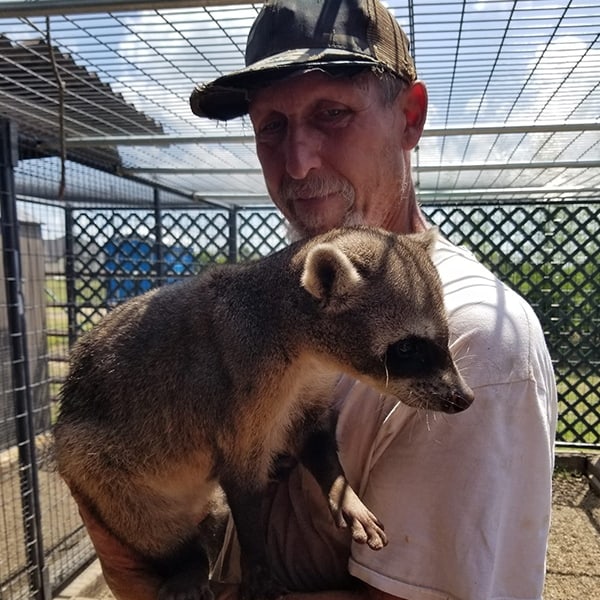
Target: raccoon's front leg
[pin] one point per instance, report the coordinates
(246, 505)
(319, 455)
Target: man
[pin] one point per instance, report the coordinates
(336, 106)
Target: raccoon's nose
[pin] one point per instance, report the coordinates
(458, 401)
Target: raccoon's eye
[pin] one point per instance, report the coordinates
(410, 357)
(404, 348)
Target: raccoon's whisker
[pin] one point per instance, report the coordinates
(458, 359)
(462, 369)
(387, 373)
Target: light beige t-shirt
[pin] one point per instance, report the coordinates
(465, 499)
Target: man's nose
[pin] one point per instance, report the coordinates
(301, 152)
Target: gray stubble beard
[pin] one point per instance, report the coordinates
(316, 186)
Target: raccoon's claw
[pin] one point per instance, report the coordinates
(376, 538)
(366, 529)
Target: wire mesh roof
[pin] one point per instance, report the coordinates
(513, 85)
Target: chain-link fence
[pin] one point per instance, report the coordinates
(66, 263)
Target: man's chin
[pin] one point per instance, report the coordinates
(304, 230)
(301, 229)
(310, 224)
(298, 231)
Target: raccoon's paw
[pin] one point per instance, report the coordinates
(348, 510)
(366, 528)
(184, 586)
(258, 584)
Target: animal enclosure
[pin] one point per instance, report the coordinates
(109, 187)
(71, 275)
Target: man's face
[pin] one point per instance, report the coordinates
(334, 153)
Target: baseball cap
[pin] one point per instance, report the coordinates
(291, 36)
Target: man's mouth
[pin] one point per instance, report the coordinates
(315, 199)
(316, 189)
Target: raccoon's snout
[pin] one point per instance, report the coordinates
(457, 401)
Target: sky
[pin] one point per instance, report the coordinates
(485, 62)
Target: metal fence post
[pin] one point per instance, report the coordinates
(30, 497)
(158, 235)
(70, 277)
(233, 235)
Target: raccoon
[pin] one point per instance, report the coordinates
(194, 389)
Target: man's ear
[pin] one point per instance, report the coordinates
(329, 275)
(414, 105)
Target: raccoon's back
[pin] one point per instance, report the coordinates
(136, 374)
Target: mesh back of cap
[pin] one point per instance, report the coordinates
(387, 40)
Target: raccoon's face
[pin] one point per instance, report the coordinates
(401, 350)
(382, 316)
(422, 374)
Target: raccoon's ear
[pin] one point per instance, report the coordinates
(427, 239)
(329, 274)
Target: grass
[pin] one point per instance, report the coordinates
(57, 326)
(56, 290)
(90, 300)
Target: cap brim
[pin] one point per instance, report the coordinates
(228, 96)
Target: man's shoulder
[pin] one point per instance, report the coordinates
(457, 265)
(487, 318)
(468, 283)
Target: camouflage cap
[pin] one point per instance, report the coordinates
(296, 35)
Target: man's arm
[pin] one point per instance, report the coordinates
(127, 574)
(130, 578)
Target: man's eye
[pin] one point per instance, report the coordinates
(333, 114)
(271, 127)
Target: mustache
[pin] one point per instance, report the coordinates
(315, 186)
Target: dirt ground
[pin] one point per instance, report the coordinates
(573, 571)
